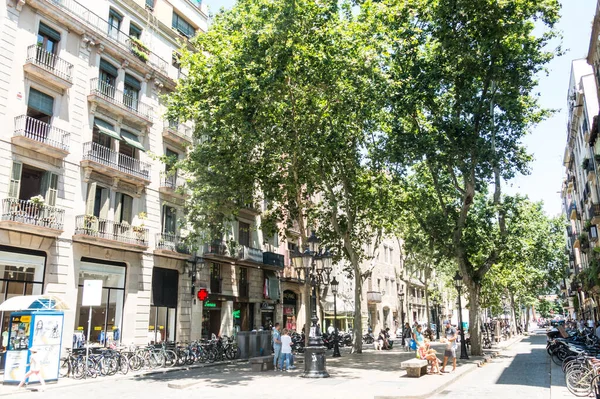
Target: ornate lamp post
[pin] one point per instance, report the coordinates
(316, 266)
(401, 296)
(336, 342)
(458, 284)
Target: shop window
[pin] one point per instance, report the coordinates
(163, 311)
(20, 274)
(107, 318)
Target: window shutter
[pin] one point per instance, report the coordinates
(105, 205)
(118, 207)
(133, 82)
(126, 214)
(15, 180)
(40, 102)
(52, 192)
(48, 31)
(108, 68)
(91, 194)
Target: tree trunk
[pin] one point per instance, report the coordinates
(427, 302)
(474, 319)
(357, 347)
(513, 315)
(527, 319)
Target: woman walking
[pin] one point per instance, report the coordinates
(35, 367)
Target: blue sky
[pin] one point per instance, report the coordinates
(548, 139)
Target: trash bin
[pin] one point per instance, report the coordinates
(253, 344)
(265, 343)
(243, 342)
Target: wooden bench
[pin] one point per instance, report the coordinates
(415, 367)
(261, 363)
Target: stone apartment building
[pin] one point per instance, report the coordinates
(83, 197)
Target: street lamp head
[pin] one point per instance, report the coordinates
(313, 243)
(458, 281)
(334, 286)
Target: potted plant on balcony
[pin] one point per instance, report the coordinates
(140, 230)
(232, 248)
(139, 49)
(90, 224)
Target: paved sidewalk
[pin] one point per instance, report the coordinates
(373, 374)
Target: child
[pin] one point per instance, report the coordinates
(35, 365)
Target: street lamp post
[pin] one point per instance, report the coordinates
(336, 338)
(458, 284)
(316, 266)
(437, 319)
(401, 296)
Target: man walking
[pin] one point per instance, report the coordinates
(450, 352)
(276, 346)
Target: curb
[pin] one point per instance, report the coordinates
(72, 382)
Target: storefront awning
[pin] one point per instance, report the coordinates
(33, 302)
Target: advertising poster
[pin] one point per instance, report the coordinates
(47, 331)
(16, 363)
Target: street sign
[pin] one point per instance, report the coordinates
(92, 293)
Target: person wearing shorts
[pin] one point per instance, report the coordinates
(450, 352)
(35, 367)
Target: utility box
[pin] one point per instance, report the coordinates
(243, 342)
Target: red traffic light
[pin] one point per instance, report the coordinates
(202, 294)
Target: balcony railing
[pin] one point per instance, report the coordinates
(27, 212)
(107, 229)
(103, 28)
(216, 285)
(172, 182)
(273, 259)
(37, 130)
(124, 163)
(248, 253)
(216, 247)
(374, 296)
(180, 130)
(50, 62)
(120, 98)
(171, 242)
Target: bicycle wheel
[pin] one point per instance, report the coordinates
(230, 353)
(136, 362)
(65, 367)
(170, 358)
(212, 355)
(579, 382)
(596, 386)
(123, 364)
(202, 356)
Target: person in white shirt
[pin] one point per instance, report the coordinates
(286, 350)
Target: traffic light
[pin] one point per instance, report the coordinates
(202, 294)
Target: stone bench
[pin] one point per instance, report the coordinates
(262, 363)
(415, 367)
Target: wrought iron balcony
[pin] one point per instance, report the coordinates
(594, 212)
(373, 297)
(41, 137)
(107, 95)
(172, 185)
(177, 133)
(171, 242)
(49, 67)
(248, 253)
(28, 216)
(216, 247)
(125, 165)
(91, 226)
(273, 259)
(79, 14)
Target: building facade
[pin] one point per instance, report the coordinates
(83, 196)
(580, 194)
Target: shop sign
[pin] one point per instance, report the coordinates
(92, 293)
(98, 328)
(80, 328)
(237, 314)
(210, 305)
(266, 306)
